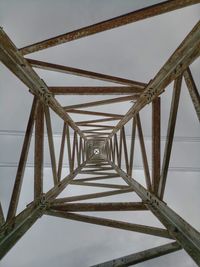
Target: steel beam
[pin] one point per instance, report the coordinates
(142, 256)
(149, 230)
(92, 196)
(13, 230)
(184, 55)
(16, 63)
(131, 17)
(170, 135)
(51, 144)
(39, 152)
(94, 113)
(156, 144)
(85, 73)
(95, 90)
(143, 152)
(179, 229)
(105, 206)
(102, 102)
(62, 147)
(79, 123)
(192, 90)
(22, 163)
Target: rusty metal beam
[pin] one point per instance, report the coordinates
(156, 120)
(187, 236)
(105, 206)
(94, 113)
(92, 196)
(22, 163)
(39, 151)
(79, 123)
(132, 147)
(131, 17)
(2, 218)
(85, 73)
(142, 256)
(62, 147)
(185, 54)
(95, 90)
(51, 144)
(102, 102)
(194, 94)
(97, 178)
(69, 148)
(13, 230)
(16, 63)
(116, 186)
(170, 135)
(143, 152)
(149, 230)
(103, 127)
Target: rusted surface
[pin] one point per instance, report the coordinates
(16, 63)
(12, 230)
(92, 196)
(103, 102)
(170, 135)
(185, 54)
(142, 256)
(134, 16)
(143, 151)
(149, 230)
(22, 163)
(193, 91)
(156, 146)
(186, 235)
(39, 151)
(106, 90)
(137, 86)
(115, 206)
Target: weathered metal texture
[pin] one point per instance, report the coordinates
(116, 186)
(92, 195)
(39, 151)
(85, 73)
(103, 102)
(149, 230)
(16, 63)
(156, 146)
(94, 113)
(51, 144)
(2, 219)
(142, 256)
(184, 55)
(116, 206)
(96, 121)
(179, 229)
(193, 91)
(134, 16)
(17, 227)
(170, 135)
(22, 163)
(94, 90)
(176, 228)
(143, 151)
(62, 146)
(13, 230)
(132, 147)
(97, 126)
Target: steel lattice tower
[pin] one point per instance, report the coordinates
(98, 151)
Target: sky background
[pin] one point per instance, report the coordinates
(135, 51)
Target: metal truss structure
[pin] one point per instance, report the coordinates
(99, 151)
